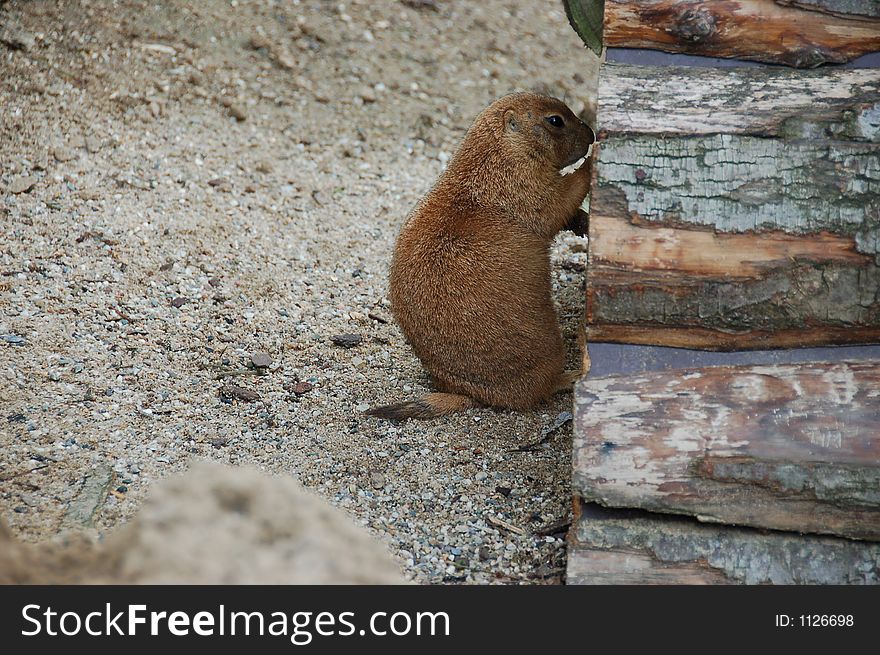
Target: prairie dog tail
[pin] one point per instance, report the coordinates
(430, 405)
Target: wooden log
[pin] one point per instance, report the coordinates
(800, 33)
(844, 8)
(587, 19)
(786, 447)
(735, 209)
(634, 547)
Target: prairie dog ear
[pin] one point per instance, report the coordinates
(511, 124)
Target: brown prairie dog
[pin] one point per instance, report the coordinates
(470, 277)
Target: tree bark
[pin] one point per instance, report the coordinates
(735, 209)
(634, 547)
(800, 33)
(794, 447)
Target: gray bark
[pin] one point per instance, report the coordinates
(632, 547)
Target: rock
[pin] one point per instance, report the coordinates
(54, 376)
(160, 48)
(561, 419)
(261, 360)
(22, 184)
(63, 154)
(89, 194)
(196, 77)
(179, 302)
(213, 525)
(367, 94)
(231, 392)
(94, 144)
(41, 161)
(422, 5)
(285, 60)
(15, 39)
(235, 110)
(347, 340)
(259, 42)
(377, 479)
(83, 509)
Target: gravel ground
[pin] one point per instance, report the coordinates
(196, 198)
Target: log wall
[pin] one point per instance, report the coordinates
(789, 447)
(735, 209)
(800, 33)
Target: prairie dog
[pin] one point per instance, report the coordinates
(470, 276)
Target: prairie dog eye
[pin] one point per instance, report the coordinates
(555, 120)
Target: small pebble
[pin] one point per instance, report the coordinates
(231, 392)
(347, 340)
(237, 112)
(301, 387)
(377, 479)
(63, 154)
(22, 184)
(261, 360)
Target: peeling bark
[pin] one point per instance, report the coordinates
(634, 547)
(793, 447)
(800, 33)
(736, 209)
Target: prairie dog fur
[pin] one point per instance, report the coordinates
(470, 276)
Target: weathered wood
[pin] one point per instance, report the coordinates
(735, 209)
(845, 8)
(587, 19)
(663, 100)
(800, 33)
(787, 447)
(634, 547)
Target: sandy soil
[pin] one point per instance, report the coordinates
(192, 188)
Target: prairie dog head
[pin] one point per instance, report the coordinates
(546, 131)
(518, 158)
